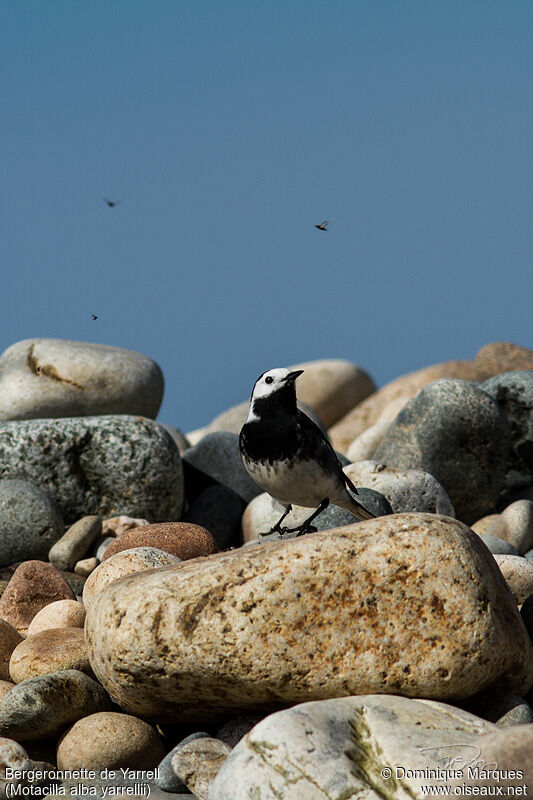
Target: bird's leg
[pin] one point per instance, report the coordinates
(306, 526)
(277, 527)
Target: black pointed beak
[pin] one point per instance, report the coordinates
(291, 377)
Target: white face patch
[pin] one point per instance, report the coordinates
(266, 385)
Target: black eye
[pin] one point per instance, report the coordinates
(269, 379)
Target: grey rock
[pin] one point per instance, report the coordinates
(75, 543)
(457, 433)
(44, 378)
(30, 522)
(97, 465)
(497, 545)
(167, 778)
(513, 391)
(179, 437)
(219, 510)
(515, 525)
(216, 459)
(406, 490)
(45, 705)
(529, 555)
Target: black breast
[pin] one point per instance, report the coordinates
(269, 441)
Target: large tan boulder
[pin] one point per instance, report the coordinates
(412, 604)
(491, 360)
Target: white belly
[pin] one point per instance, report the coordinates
(301, 483)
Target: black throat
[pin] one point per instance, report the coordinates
(280, 403)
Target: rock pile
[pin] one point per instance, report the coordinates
(153, 641)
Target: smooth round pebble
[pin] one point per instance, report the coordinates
(137, 559)
(50, 651)
(60, 614)
(30, 521)
(110, 740)
(75, 543)
(197, 763)
(42, 707)
(33, 586)
(102, 545)
(9, 639)
(482, 525)
(182, 539)
(86, 566)
(518, 574)
(366, 444)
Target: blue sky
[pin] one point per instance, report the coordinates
(227, 130)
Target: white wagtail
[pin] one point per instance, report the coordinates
(288, 456)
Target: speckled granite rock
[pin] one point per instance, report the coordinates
(458, 434)
(197, 763)
(43, 378)
(30, 522)
(97, 465)
(208, 627)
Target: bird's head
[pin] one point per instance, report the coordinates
(274, 387)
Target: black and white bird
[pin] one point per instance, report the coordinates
(288, 456)
(323, 225)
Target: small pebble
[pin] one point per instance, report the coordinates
(515, 525)
(167, 778)
(75, 543)
(86, 566)
(116, 526)
(110, 740)
(497, 545)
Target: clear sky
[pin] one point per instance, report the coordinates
(227, 130)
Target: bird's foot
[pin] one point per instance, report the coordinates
(301, 529)
(281, 529)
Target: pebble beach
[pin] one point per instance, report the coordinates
(155, 643)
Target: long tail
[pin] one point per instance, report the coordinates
(350, 504)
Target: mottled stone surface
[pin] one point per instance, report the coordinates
(97, 465)
(362, 608)
(167, 778)
(49, 651)
(458, 434)
(405, 489)
(44, 706)
(75, 543)
(198, 762)
(9, 639)
(30, 521)
(513, 391)
(340, 749)
(34, 584)
(112, 740)
(491, 360)
(137, 559)
(43, 378)
(60, 614)
(182, 539)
